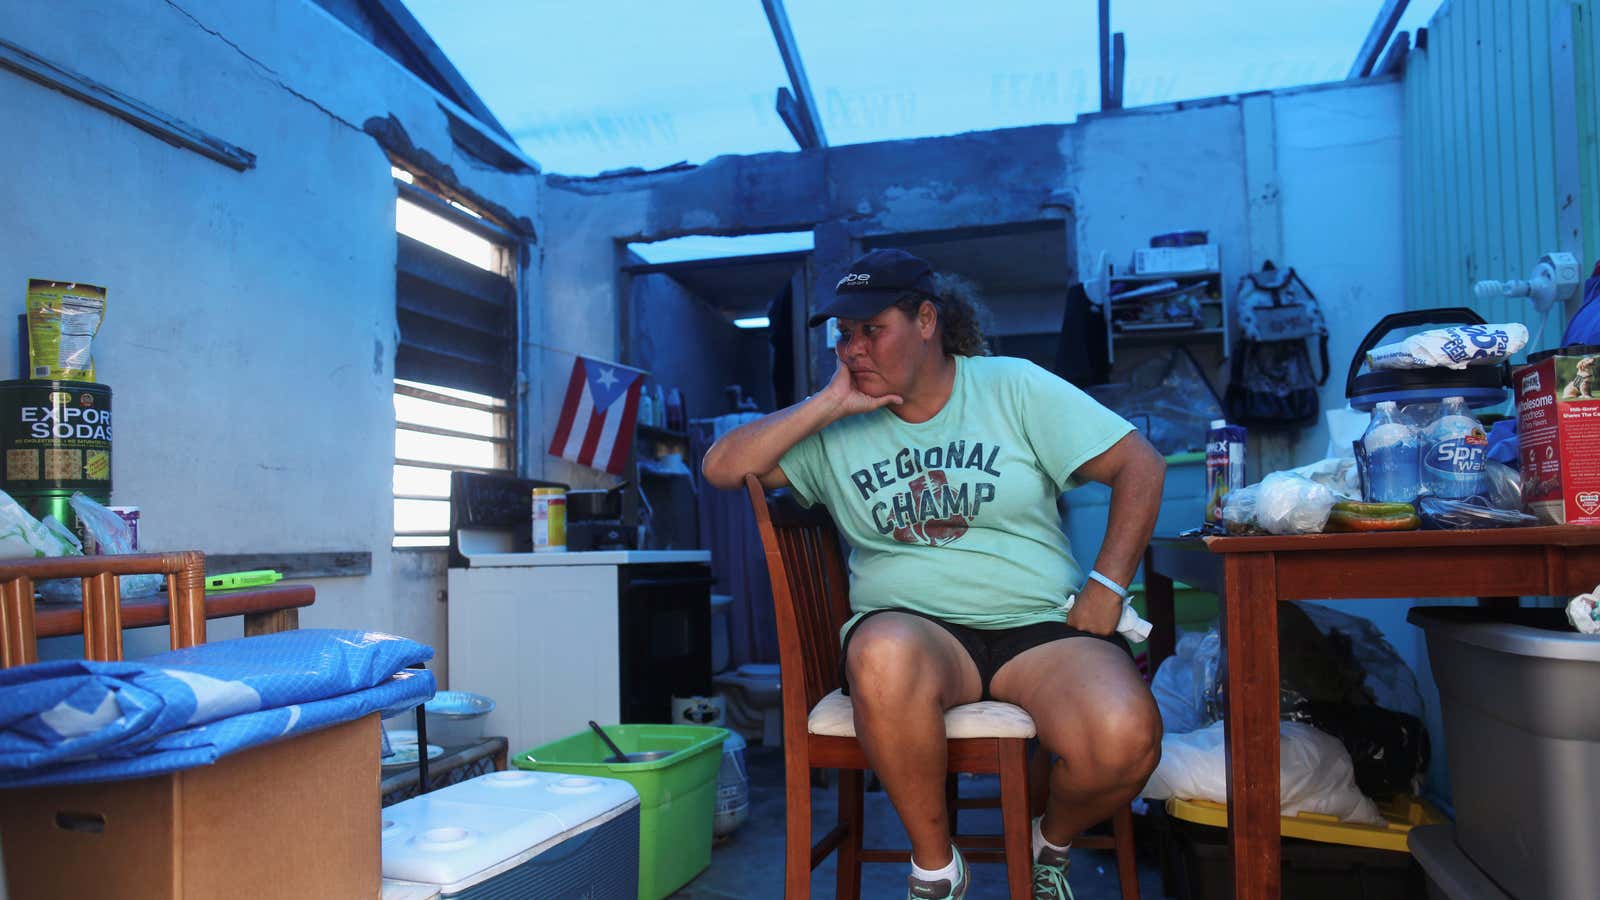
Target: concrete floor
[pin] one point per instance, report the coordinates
(749, 864)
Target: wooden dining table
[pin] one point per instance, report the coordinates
(1252, 575)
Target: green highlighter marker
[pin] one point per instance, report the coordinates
(233, 580)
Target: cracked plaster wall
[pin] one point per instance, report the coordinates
(251, 329)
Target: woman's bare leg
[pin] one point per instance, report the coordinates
(905, 671)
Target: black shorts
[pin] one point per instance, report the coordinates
(990, 648)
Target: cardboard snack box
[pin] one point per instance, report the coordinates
(1558, 425)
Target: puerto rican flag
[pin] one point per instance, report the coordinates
(597, 416)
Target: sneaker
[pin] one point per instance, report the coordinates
(1050, 875)
(941, 889)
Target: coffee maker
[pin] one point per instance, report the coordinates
(594, 520)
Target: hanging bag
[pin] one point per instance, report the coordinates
(1273, 383)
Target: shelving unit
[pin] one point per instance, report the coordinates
(1213, 327)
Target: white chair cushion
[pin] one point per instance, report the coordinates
(833, 716)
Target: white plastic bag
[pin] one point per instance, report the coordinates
(21, 535)
(112, 535)
(1239, 510)
(1181, 679)
(1293, 504)
(1315, 773)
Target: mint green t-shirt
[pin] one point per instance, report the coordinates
(956, 517)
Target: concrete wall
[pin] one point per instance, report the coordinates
(673, 331)
(251, 332)
(1307, 177)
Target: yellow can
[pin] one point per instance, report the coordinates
(549, 520)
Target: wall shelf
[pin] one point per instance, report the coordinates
(663, 435)
(1155, 337)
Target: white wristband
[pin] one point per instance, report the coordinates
(1117, 589)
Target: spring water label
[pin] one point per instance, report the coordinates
(1454, 466)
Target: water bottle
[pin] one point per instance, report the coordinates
(1391, 447)
(1453, 453)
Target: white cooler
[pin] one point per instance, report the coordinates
(518, 834)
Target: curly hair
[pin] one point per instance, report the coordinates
(962, 314)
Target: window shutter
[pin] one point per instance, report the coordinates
(457, 322)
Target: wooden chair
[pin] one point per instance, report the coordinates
(810, 588)
(102, 600)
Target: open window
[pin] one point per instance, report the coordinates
(455, 365)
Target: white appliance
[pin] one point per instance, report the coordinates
(518, 834)
(558, 639)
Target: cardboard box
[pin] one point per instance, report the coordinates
(1175, 260)
(1558, 425)
(296, 818)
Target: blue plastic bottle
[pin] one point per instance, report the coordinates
(1392, 452)
(1453, 453)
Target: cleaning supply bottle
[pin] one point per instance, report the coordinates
(647, 412)
(1392, 452)
(676, 420)
(1453, 453)
(1224, 467)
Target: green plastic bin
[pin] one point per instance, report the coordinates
(1192, 609)
(677, 793)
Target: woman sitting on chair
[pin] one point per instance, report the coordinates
(941, 466)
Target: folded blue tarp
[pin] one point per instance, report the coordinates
(76, 721)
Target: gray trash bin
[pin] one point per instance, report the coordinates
(1519, 693)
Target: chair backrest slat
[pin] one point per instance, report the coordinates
(102, 600)
(810, 589)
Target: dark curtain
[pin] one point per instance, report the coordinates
(780, 332)
(728, 530)
(1081, 353)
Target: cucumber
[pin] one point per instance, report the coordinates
(1380, 510)
(1346, 520)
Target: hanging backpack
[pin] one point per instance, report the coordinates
(1272, 383)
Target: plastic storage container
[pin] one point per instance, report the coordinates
(518, 834)
(1192, 609)
(1451, 876)
(677, 793)
(1522, 737)
(1322, 858)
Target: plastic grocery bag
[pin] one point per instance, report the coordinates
(21, 535)
(1239, 511)
(1293, 504)
(1183, 680)
(112, 535)
(1314, 773)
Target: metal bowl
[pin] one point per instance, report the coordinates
(649, 755)
(456, 718)
(459, 704)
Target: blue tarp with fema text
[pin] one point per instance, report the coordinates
(76, 721)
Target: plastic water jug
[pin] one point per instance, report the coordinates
(1453, 453)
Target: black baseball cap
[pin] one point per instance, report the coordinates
(873, 282)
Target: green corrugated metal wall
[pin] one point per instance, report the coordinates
(1586, 34)
(1484, 180)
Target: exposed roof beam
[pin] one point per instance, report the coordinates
(804, 103)
(1119, 64)
(409, 30)
(1105, 55)
(1395, 59)
(793, 118)
(1378, 37)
